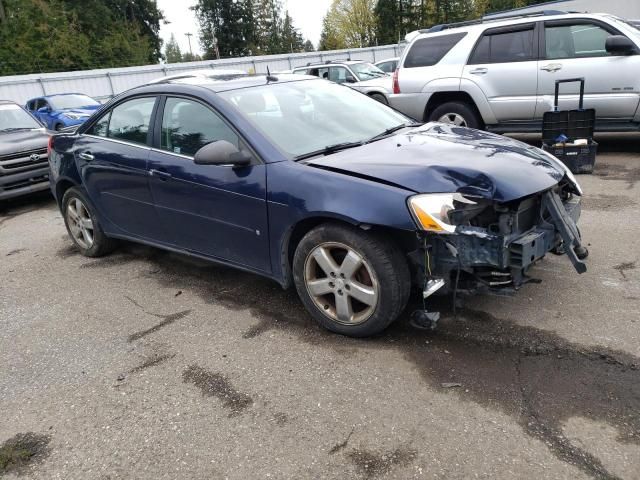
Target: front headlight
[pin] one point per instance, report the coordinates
(431, 211)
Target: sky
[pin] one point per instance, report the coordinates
(307, 17)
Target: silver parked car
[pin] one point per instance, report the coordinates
(389, 65)
(361, 76)
(500, 74)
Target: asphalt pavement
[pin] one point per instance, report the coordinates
(147, 364)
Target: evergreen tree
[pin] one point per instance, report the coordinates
(172, 51)
(225, 25)
(387, 21)
(308, 46)
(292, 41)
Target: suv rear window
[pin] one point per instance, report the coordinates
(426, 52)
(504, 47)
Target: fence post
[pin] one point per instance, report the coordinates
(113, 91)
(255, 69)
(373, 51)
(44, 90)
(289, 60)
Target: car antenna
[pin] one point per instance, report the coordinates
(270, 78)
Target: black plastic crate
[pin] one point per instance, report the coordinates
(578, 158)
(574, 125)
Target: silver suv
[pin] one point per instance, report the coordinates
(500, 73)
(361, 76)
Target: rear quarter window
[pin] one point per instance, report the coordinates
(426, 52)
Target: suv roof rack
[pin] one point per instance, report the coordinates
(494, 17)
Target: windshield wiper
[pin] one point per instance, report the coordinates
(391, 130)
(329, 149)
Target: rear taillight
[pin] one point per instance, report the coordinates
(396, 83)
(50, 146)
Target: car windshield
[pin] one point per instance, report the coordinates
(64, 102)
(366, 71)
(306, 116)
(12, 117)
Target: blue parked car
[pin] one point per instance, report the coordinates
(316, 185)
(65, 110)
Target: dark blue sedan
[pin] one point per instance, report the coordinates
(64, 110)
(315, 185)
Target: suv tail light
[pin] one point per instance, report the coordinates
(396, 84)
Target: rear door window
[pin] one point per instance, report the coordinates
(426, 52)
(504, 47)
(187, 126)
(130, 120)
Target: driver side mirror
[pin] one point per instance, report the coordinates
(221, 152)
(44, 110)
(351, 79)
(620, 45)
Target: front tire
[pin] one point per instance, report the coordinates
(353, 282)
(458, 114)
(83, 225)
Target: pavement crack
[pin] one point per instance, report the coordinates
(166, 320)
(152, 361)
(342, 445)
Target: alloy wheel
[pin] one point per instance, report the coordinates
(80, 223)
(341, 283)
(453, 119)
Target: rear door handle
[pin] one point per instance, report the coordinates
(164, 176)
(479, 71)
(552, 67)
(86, 156)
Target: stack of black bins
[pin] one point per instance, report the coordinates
(575, 125)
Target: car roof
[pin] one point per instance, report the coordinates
(225, 84)
(498, 20)
(328, 63)
(8, 102)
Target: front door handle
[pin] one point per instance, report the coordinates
(162, 175)
(479, 71)
(552, 67)
(86, 156)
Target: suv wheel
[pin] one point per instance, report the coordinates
(456, 113)
(352, 282)
(83, 226)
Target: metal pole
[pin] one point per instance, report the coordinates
(189, 35)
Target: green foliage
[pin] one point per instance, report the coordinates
(395, 18)
(308, 46)
(246, 27)
(172, 53)
(59, 35)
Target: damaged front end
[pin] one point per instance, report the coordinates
(472, 245)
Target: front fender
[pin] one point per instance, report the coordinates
(298, 193)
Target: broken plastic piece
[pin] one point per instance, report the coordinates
(423, 320)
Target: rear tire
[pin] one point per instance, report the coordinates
(378, 97)
(353, 282)
(458, 114)
(83, 225)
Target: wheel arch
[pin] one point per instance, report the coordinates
(62, 185)
(296, 233)
(440, 98)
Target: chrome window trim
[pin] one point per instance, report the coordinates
(114, 140)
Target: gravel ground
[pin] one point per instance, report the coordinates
(147, 364)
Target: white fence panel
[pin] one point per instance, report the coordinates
(103, 84)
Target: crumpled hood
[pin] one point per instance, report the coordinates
(23, 141)
(440, 158)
